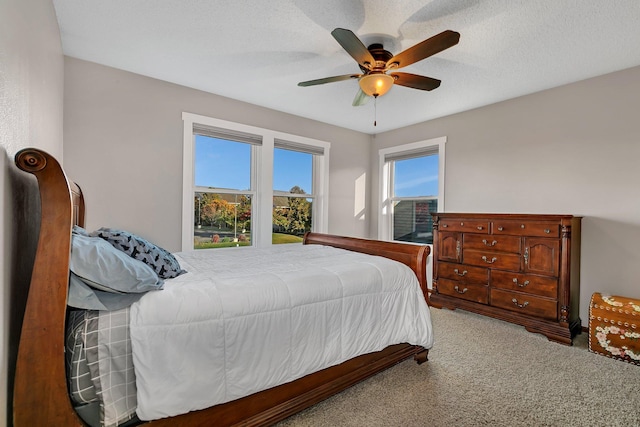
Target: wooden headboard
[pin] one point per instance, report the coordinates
(41, 349)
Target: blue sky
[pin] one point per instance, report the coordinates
(416, 177)
(227, 164)
(292, 168)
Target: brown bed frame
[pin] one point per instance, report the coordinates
(40, 395)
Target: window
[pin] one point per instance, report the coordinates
(244, 185)
(223, 189)
(292, 192)
(411, 187)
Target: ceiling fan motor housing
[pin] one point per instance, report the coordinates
(380, 55)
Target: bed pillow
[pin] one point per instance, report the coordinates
(103, 267)
(79, 230)
(162, 261)
(83, 296)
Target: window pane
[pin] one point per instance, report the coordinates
(221, 163)
(221, 220)
(292, 169)
(416, 177)
(292, 217)
(412, 221)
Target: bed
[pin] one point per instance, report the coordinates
(41, 395)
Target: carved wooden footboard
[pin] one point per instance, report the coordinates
(414, 256)
(40, 392)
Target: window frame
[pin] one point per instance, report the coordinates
(386, 184)
(261, 176)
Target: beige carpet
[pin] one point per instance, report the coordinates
(485, 372)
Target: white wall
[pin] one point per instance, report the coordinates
(31, 88)
(123, 145)
(569, 150)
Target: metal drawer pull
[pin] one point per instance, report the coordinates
(522, 226)
(462, 223)
(500, 228)
(522, 285)
(479, 227)
(455, 270)
(489, 244)
(484, 258)
(460, 291)
(546, 230)
(523, 305)
(526, 256)
(445, 225)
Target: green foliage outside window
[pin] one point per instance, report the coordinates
(215, 214)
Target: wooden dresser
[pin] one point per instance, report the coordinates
(520, 268)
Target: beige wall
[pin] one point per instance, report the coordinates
(569, 150)
(123, 145)
(31, 88)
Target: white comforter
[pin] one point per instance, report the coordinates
(246, 319)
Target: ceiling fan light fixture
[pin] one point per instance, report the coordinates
(376, 84)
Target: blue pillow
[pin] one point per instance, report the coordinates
(162, 261)
(103, 267)
(79, 230)
(83, 296)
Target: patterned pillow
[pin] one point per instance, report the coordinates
(160, 260)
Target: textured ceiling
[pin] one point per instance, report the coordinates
(257, 51)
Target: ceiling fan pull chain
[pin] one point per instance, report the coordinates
(375, 110)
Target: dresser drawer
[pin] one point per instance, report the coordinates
(537, 285)
(499, 260)
(468, 291)
(463, 273)
(492, 243)
(525, 304)
(526, 228)
(466, 225)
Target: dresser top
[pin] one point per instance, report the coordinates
(514, 216)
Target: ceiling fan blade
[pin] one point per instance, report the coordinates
(329, 80)
(425, 49)
(354, 47)
(415, 81)
(360, 99)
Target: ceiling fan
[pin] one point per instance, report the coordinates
(375, 62)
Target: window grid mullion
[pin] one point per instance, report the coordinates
(223, 191)
(285, 194)
(399, 199)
